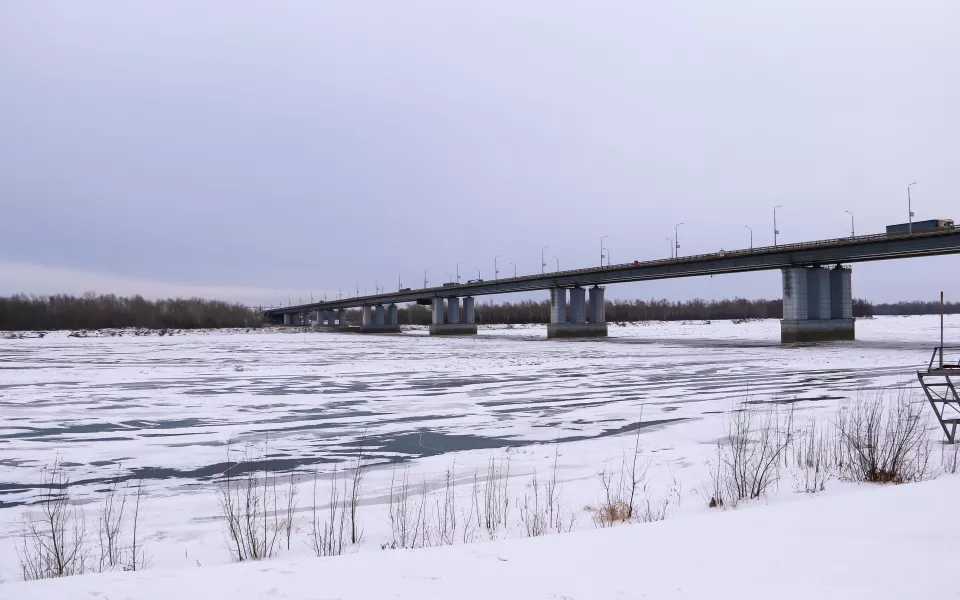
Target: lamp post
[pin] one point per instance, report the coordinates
(751, 235)
(458, 272)
(424, 279)
(775, 230)
(514, 269)
(496, 270)
(479, 277)
(449, 277)
(852, 232)
(608, 256)
(910, 207)
(601, 249)
(543, 262)
(671, 246)
(676, 238)
(558, 263)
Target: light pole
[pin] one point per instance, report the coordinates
(358, 289)
(608, 256)
(424, 279)
(458, 272)
(449, 277)
(751, 235)
(514, 270)
(601, 249)
(399, 283)
(910, 207)
(496, 270)
(558, 264)
(671, 246)
(852, 233)
(775, 230)
(543, 262)
(479, 277)
(676, 238)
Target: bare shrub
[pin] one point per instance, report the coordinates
(407, 519)
(620, 489)
(533, 515)
(290, 508)
(110, 526)
(52, 543)
(748, 458)
(247, 502)
(950, 458)
(446, 514)
(355, 495)
(327, 536)
(496, 496)
(881, 443)
(136, 558)
(814, 457)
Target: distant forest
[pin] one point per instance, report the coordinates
(30, 313)
(91, 312)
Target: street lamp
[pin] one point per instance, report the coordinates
(676, 238)
(558, 264)
(479, 277)
(910, 207)
(496, 271)
(751, 235)
(852, 234)
(608, 256)
(601, 249)
(543, 262)
(424, 279)
(671, 246)
(775, 230)
(458, 272)
(514, 270)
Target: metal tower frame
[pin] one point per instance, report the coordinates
(938, 385)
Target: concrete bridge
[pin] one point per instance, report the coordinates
(817, 288)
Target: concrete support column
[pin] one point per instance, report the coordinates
(287, 320)
(578, 305)
(392, 315)
(319, 316)
(468, 310)
(558, 305)
(597, 312)
(438, 311)
(817, 304)
(841, 294)
(342, 317)
(380, 316)
(453, 311)
(367, 315)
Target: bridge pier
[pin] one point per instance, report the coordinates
(582, 321)
(449, 321)
(377, 319)
(817, 304)
(287, 319)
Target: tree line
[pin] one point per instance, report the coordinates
(90, 311)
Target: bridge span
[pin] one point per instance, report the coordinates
(817, 288)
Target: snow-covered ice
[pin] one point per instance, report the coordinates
(164, 409)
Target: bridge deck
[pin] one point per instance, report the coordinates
(817, 253)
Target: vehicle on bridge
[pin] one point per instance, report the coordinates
(929, 225)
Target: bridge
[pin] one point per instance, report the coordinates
(817, 288)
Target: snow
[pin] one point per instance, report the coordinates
(876, 543)
(164, 408)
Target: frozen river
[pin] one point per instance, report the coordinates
(164, 408)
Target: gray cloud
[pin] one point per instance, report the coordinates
(309, 146)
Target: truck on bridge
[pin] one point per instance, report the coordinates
(919, 226)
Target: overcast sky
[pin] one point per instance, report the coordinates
(261, 150)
